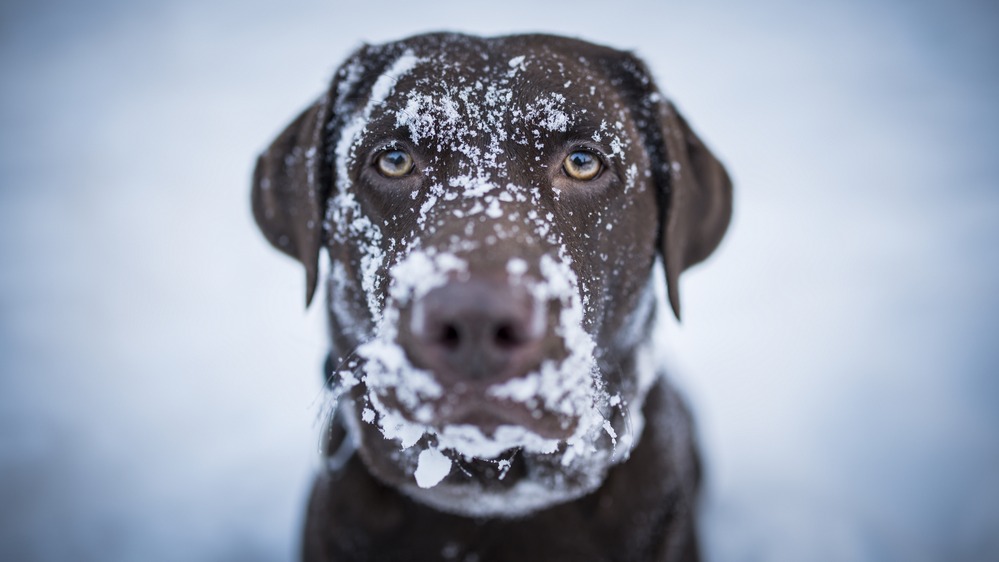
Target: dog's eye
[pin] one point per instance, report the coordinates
(582, 165)
(395, 163)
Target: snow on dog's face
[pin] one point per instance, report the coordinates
(470, 171)
(493, 209)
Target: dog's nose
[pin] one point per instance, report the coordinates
(476, 330)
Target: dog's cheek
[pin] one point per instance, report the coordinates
(384, 458)
(624, 253)
(612, 253)
(349, 319)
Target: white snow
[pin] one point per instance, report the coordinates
(471, 443)
(516, 267)
(520, 389)
(386, 82)
(432, 467)
(421, 271)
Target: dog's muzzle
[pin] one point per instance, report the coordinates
(477, 337)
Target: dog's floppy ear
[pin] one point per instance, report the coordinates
(294, 176)
(693, 188)
(290, 185)
(699, 200)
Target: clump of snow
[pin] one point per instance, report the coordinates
(432, 466)
(549, 112)
(387, 369)
(630, 176)
(516, 267)
(520, 389)
(517, 62)
(472, 443)
(422, 271)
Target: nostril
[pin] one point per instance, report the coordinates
(506, 336)
(450, 336)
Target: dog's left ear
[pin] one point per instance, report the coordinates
(290, 184)
(693, 188)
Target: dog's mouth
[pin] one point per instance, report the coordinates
(472, 408)
(480, 433)
(490, 415)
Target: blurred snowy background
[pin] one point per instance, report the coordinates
(159, 377)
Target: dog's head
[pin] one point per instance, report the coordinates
(493, 210)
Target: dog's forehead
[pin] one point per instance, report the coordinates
(513, 67)
(449, 96)
(545, 62)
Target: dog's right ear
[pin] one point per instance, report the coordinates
(290, 185)
(294, 177)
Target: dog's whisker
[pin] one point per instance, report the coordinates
(331, 373)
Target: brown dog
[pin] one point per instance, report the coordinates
(494, 210)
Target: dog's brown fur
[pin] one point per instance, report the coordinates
(664, 196)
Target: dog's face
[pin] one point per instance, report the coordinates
(493, 209)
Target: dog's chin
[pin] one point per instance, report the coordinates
(506, 471)
(531, 482)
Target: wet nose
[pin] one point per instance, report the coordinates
(476, 330)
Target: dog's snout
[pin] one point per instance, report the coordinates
(476, 330)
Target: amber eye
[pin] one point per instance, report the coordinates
(582, 165)
(395, 163)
